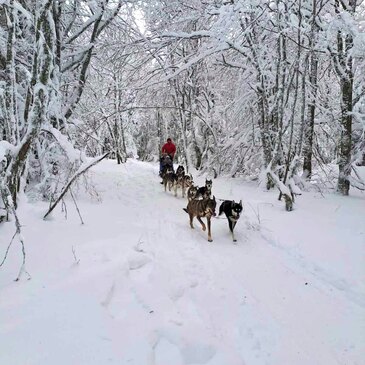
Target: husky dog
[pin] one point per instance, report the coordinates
(166, 170)
(169, 178)
(192, 191)
(205, 191)
(180, 171)
(186, 182)
(179, 182)
(200, 209)
(232, 210)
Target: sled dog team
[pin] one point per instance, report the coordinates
(201, 204)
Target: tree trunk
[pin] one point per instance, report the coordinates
(313, 82)
(309, 125)
(344, 69)
(11, 125)
(45, 44)
(344, 161)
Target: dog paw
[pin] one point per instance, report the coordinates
(204, 228)
(234, 240)
(210, 240)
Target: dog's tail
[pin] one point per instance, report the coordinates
(186, 210)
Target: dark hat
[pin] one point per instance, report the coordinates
(169, 139)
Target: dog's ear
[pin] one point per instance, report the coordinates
(241, 202)
(233, 202)
(213, 198)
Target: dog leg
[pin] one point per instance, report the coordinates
(233, 237)
(175, 189)
(202, 223)
(210, 239)
(191, 220)
(231, 228)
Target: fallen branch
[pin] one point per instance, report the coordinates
(77, 261)
(284, 190)
(9, 202)
(81, 171)
(357, 182)
(77, 207)
(7, 250)
(64, 208)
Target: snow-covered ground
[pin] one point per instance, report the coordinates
(136, 285)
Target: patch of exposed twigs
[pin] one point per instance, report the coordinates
(17, 235)
(81, 171)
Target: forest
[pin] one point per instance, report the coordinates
(270, 90)
(264, 99)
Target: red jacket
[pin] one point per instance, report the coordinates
(169, 148)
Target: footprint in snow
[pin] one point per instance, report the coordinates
(167, 353)
(137, 261)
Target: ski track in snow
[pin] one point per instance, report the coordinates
(150, 290)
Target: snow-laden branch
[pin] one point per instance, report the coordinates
(357, 182)
(72, 154)
(188, 64)
(279, 184)
(192, 35)
(6, 149)
(107, 21)
(22, 10)
(82, 29)
(82, 169)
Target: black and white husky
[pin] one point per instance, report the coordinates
(232, 210)
(206, 190)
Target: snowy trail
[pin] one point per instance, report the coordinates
(150, 290)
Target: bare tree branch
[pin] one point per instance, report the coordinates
(81, 171)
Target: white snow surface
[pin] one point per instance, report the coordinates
(143, 288)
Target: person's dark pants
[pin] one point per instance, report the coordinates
(161, 167)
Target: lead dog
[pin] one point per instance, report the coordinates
(199, 209)
(232, 210)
